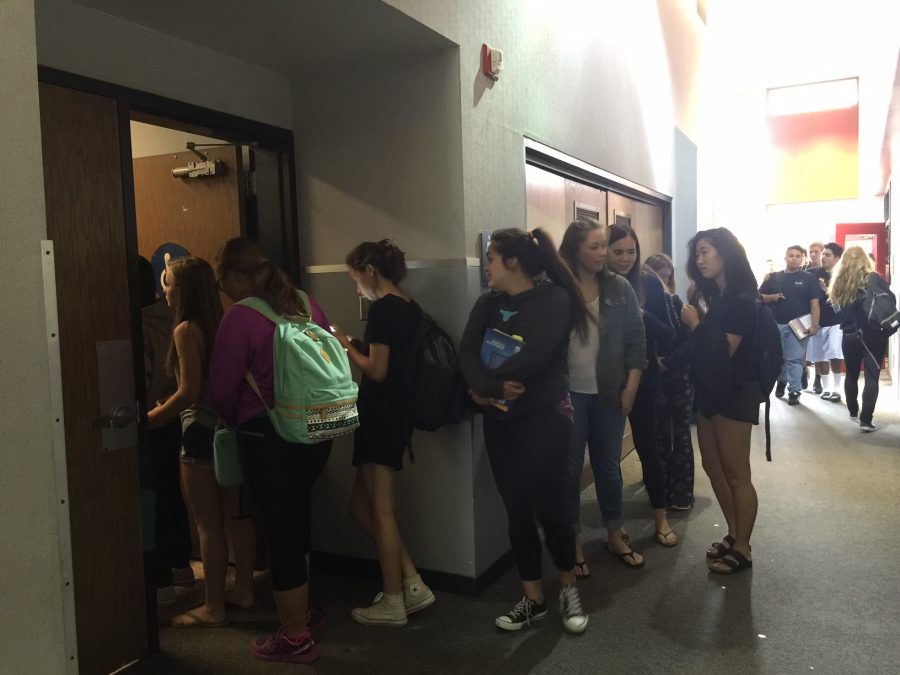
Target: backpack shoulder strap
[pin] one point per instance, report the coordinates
(261, 306)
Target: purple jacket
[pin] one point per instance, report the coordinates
(244, 342)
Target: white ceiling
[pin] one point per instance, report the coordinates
(285, 36)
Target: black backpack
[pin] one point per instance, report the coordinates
(880, 308)
(433, 383)
(769, 359)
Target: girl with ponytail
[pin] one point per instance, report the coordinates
(385, 430)
(279, 475)
(527, 410)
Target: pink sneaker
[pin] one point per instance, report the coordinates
(279, 647)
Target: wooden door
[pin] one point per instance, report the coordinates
(200, 214)
(85, 220)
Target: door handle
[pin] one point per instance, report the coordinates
(122, 416)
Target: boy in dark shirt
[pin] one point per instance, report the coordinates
(792, 294)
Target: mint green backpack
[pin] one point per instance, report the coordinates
(315, 397)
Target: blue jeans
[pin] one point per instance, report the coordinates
(601, 428)
(794, 351)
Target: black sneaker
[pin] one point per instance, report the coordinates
(817, 384)
(525, 611)
(866, 427)
(794, 398)
(779, 389)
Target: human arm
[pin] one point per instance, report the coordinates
(769, 291)
(189, 347)
(626, 397)
(814, 312)
(373, 364)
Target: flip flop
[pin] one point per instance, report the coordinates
(624, 557)
(664, 540)
(581, 570)
(733, 561)
(197, 621)
(717, 549)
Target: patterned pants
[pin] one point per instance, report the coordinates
(673, 432)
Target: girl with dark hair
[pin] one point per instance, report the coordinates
(624, 259)
(527, 410)
(605, 367)
(674, 406)
(728, 391)
(191, 291)
(279, 475)
(385, 430)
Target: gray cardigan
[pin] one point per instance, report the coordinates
(623, 345)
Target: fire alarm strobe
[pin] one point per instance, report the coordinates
(491, 62)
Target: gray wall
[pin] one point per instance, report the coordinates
(32, 633)
(684, 207)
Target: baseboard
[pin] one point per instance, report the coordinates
(439, 581)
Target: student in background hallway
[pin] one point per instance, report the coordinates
(385, 428)
(528, 444)
(824, 349)
(815, 256)
(625, 259)
(162, 445)
(191, 292)
(278, 475)
(813, 263)
(862, 345)
(605, 367)
(728, 391)
(792, 293)
(675, 403)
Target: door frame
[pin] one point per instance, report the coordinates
(131, 104)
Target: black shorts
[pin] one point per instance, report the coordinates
(384, 432)
(742, 404)
(197, 444)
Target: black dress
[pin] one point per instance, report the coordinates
(384, 426)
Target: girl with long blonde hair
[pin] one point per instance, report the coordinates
(863, 346)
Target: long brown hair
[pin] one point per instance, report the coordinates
(244, 257)
(198, 302)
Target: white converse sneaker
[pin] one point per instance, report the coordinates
(386, 610)
(416, 595)
(574, 618)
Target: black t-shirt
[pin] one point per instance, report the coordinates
(798, 288)
(826, 311)
(736, 315)
(392, 322)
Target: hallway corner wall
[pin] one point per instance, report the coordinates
(32, 608)
(379, 155)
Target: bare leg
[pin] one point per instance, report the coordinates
(292, 606)
(379, 485)
(709, 453)
(733, 438)
(535, 590)
(618, 545)
(361, 512)
(243, 542)
(823, 368)
(201, 493)
(580, 562)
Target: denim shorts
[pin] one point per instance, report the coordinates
(197, 444)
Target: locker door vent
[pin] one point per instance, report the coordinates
(585, 210)
(623, 218)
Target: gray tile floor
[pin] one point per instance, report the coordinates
(823, 595)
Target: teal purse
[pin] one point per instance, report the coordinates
(225, 458)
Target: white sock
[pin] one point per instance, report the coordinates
(838, 382)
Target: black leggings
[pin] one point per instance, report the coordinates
(173, 537)
(855, 358)
(529, 458)
(280, 476)
(643, 432)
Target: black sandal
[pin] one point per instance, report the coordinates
(717, 549)
(733, 561)
(581, 570)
